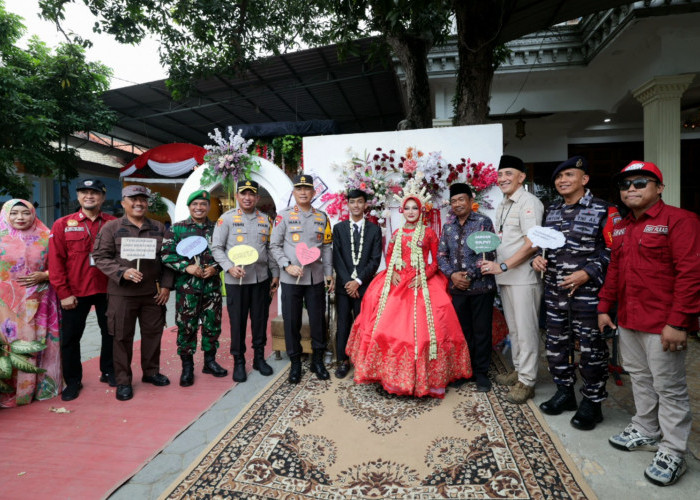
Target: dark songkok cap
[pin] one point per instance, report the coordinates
(357, 193)
(508, 161)
(460, 188)
(244, 184)
(303, 180)
(573, 162)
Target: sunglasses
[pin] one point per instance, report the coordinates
(637, 183)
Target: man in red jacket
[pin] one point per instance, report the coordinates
(79, 284)
(654, 278)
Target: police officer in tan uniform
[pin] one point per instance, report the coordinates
(293, 226)
(248, 288)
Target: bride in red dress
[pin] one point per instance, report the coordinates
(407, 335)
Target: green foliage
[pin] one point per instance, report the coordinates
(156, 205)
(15, 355)
(44, 97)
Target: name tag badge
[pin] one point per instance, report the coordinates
(92, 261)
(500, 235)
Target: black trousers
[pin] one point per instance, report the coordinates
(293, 298)
(242, 300)
(72, 328)
(347, 309)
(475, 313)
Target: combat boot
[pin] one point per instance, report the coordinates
(318, 366)
(259, 362)
(187, 377)
(295, 371)
(563, 400)
(211, 366)
(239, 374)
(510, 378)
(588, 415)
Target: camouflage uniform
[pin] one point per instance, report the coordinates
(585, 249)
(196, 298)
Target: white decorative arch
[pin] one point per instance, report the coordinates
(269, 176)
(171, 207)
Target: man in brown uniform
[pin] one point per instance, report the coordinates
(135, 290)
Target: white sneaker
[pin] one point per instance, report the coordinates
(632, 440)
(665, 469)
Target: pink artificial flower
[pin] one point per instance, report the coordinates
(410, 166)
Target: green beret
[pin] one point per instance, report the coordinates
(199, 195)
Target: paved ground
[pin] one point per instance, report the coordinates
(611, 473)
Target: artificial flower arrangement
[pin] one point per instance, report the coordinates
(227, 160)
(376, 174)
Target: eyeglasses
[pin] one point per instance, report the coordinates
(637, 183)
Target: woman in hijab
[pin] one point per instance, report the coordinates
(29, 308)
(407, 335)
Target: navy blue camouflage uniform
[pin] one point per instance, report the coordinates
(582, 224)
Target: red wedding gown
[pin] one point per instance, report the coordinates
(389, 356)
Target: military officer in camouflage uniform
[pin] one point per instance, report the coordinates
(573, 276)
(296, 225)
(198, 290)
(248, 288)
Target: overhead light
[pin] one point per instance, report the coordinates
(607, 120)
(520, 128)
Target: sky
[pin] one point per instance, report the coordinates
(130, 64)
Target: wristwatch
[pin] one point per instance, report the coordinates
(504, 267)
(681, 328)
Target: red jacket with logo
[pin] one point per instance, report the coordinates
(654, 271)
(70, 244)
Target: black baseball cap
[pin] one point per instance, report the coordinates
(94, 184)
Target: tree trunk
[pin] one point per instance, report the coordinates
(413, 54)
(478, 26)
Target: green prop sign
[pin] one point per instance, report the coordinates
(483, 241)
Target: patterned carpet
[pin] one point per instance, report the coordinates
(335, 439)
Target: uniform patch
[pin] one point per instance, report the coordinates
(72, 223)
(656, 229)
(71, 229)
(278, 219)
(328, 235)
(219, 222)
(240, 238)
(619, 232)
(296, 237)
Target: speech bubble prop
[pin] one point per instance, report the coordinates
(242, 255)
(544, 238)
(306, 256)
(191, 246)
(483, 241)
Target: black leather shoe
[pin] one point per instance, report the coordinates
(295, 372)
(124, 392)
(483, 384)
(71, 392)
(318, 366)
(108, 378)
(563, 400)
(260, 364)
(588, 415)
(342, 370)
(211, 366)
(158, 379)
(187, 377)
(239, 374)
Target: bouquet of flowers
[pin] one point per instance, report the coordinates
(433, 167)
(228, 160)
(478, 175)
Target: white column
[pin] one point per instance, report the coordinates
(661, 99)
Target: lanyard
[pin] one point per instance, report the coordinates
(505, 217)
(87, 228)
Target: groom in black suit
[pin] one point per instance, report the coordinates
(357, 252)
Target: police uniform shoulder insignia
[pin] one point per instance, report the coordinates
(278, 219)
(220, 221)
(72, 223)
(328, 234)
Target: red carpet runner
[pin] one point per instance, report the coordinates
(87, 453)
